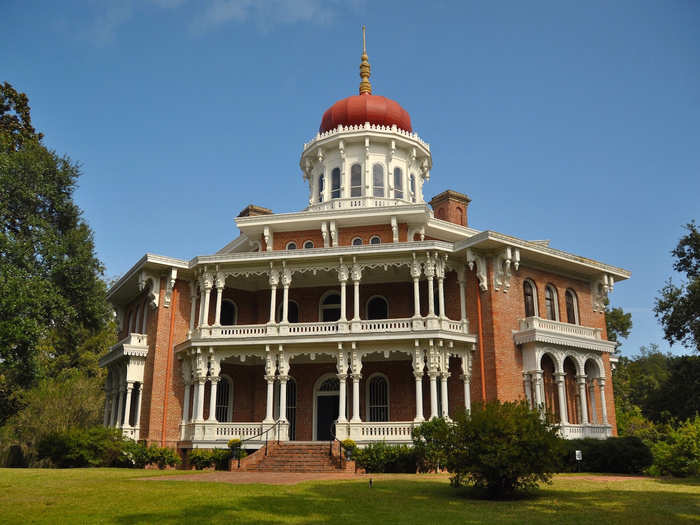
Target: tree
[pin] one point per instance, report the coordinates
(618, 323)
(53, 309)
(678, 308)
(503, 447)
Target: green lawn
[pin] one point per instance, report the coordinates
(119, 496)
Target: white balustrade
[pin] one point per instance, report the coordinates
(387, 431)
(386, 325)
(356, 202)
(238, 430)
(313, 328)
(235, 330)
(558, 327)
(585, 431)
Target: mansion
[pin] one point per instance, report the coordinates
(371, 310)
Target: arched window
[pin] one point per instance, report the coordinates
(550, 301)
(377, 308)
(440, 214)
(378, 398)
(378, 180)
(412, 186)
(357, 241)
(224, 399)
(321, 182)
(530, 294)
(330, 307)
(229, 313)
(356, 181)
(308, 245)
(291, 246)
(398, 183)
(460, 216)
(335, 183)
(375, 240)
(292, 312)
(571, 307)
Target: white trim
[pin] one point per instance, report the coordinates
(352, 242)
(308, 247)
(536, 313)
(555, 301)
(574, 295)
(375, 237)
(290, 243)
(323, 378)
(229, 414)
(322, 307)
(388, 396)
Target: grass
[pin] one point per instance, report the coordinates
(119, 496)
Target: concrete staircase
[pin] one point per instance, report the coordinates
(296, 456)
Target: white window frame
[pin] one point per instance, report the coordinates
(290, 243)
(379, 239)
(318, 393)
(308, 247)
(353, 187)
(374, 187)
(322, 307)
(352, 243)
(555, 299)
(577, 320)
(367, 396)
(376, 297)
(534, 296)
(229, 412)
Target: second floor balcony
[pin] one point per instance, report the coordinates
(535, 329)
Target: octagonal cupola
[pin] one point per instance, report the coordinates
(365, 153)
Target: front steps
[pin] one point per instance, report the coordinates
(295, 456)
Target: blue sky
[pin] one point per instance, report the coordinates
(577, 122)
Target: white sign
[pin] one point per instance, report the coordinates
(579, 455)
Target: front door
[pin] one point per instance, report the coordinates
(326, 414)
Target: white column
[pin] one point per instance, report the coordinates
(283, 397)
(200, 319)
(270, 398)
(343, 315)
(342, 398)
(581, 380)
(440, 274)
(591, 395)
(114, 407)
(120, 408)
(418, 369)
(127, 403)
(193, 306)
(561, 396)
(429, 271)
(144, 324)
(207, 294)
(219, 293)
(467, 391)
(186, 404)
(527, 385)
(415, 275)
(603, 406)
(214, 380)
(462, 296)
(432, 374)
(356, 275)
(137, 416)
(199, 412)
(273, 302)
(537, 376)
(356, 398)
(443, 391)
(285, 304)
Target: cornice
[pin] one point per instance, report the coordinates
(535, 335)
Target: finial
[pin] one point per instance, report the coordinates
(365, 86)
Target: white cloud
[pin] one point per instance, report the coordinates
(106, 23)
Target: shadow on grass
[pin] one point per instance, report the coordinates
(419, 502)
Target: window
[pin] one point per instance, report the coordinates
(335, 183)
(224, 399)
(375, 240)
(571, 307)
(292, 312)
(377, 308)
(291, 246)
(292, 407)
(398, 183)
(378, 398)
(530, 293)
(134, 404)
(412, 186)
(460, 216)
(229, 313)
(550, 301)
(378, 180)
(308, 245)
(357, 241)
(330, 307)
(332, 384)
(356, 181)
(321, 181)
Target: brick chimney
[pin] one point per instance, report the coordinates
(252, 209)
(451, 206)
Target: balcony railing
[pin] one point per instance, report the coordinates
(562, 328)
(356, 202)
(585, 431)
(222, 433)
(330, 328)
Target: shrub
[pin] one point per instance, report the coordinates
(430, 443)
(162, 456)
(200, 458)
(380, 457)
(621, 455)
(679, 455)
(502, 447)
(136, 454)
(93, 447)
(220, 458)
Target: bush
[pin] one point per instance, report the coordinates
(502, 447)
(430, 444)
(93, 447)
(380, 457)
(201, 459)
(162, 456)
(616, 455)
(679, 455)
(220, 458)
(135, 454)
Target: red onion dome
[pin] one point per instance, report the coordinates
(358, 109)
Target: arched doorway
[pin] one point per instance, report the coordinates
(551, 395)
(573, 401)
(326, 398)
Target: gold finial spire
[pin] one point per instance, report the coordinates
(365, 86)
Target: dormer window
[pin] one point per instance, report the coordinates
(335, 183)
(356, 181)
